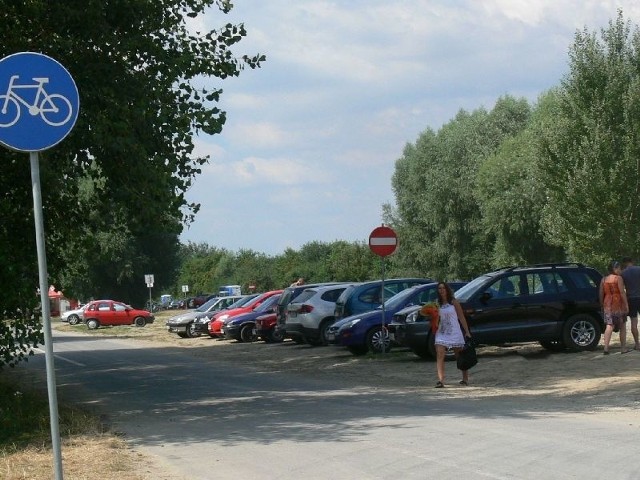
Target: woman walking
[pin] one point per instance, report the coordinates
(451, 325)
(613, 300)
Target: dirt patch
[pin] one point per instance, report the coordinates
(525, 369)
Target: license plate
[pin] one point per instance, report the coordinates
(331, 336)
(253, 332)
(223, 330)
(293, 314)
(392, 336)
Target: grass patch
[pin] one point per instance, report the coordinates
(89, 450)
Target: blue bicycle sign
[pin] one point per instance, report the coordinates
(54, 109)
(39, 102)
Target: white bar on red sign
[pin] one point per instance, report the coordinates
(382, 241)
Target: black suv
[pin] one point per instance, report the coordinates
(554, 304)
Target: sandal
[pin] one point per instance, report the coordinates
(462, 382)
(606, 352)
(625, 351)
(439, 385)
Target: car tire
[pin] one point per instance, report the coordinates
(183, 334)
(325, 325)
(74, 319)
(423, 353)
(92, 324)
(139, 321)
(191, 331)
(358, 349)
(246, 333)
(275, 336)
(378, 340)
(581, 332)
(553, 345)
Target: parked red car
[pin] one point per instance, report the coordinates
(266, 328)
(108, 312)
(215, 325)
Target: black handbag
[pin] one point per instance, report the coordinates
(467, 357)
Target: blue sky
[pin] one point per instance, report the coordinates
(311, 138)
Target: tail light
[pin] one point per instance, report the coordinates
(306, 308)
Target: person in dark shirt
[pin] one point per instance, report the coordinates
(631, 277)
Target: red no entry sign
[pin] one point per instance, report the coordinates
(383, 241)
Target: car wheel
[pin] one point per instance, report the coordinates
(553, 345)
(192, 332)
(358, 349)
(139, 321)
(422, 353)
(92, 324)
(183, 335)
(324, 328)
(246, 333)
(581, 332)
(74, 319)
(378, 340)
(275, 336)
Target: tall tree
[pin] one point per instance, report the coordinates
(114, 190)
(590, 147)
(438, 213)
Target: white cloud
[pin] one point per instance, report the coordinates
(313, 135)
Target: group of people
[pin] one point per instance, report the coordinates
(620, 297)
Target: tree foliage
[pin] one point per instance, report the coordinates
(590, 147)
(114, 190)
(438, 210)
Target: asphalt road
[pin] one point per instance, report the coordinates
(213, 420)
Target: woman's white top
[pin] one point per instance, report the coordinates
(449, 332)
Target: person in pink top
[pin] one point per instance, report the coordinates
(613, 299)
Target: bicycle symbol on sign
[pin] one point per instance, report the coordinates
(54, 109)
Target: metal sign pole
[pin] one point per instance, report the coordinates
(382, 330)
(46, 318)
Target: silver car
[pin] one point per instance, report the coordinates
(184, 324)
(312, 313)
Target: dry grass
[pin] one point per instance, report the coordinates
(89, 450)
(84, 457)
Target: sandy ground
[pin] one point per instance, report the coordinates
(525, 369)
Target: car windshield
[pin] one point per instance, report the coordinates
(242, 301)
(267, 304)
(470, 288)
(207, 305)
(344, 296)
(400, 298)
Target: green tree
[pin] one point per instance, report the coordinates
(438, 214)
(114, 190)
(590, 147)
(511, 199)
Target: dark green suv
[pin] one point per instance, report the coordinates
(554, 304)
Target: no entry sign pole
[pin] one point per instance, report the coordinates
(39, 106)
(383, 241)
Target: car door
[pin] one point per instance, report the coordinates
(104, 312)
(544, 305)
(497, 313)
(120, 314)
